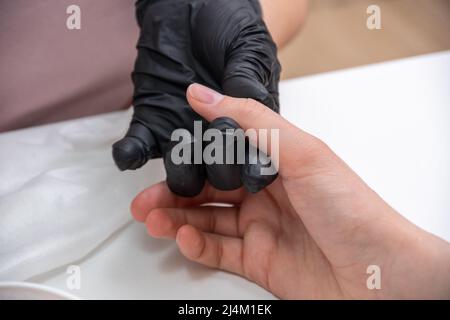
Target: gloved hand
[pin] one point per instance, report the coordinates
(223, 44)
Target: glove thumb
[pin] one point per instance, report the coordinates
(136, 148)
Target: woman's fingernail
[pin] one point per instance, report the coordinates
(204, 94)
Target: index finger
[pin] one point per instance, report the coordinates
(160, 196)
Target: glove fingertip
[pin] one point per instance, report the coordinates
(254, 183)
(185, 179)
(127, 154)
(256, 173)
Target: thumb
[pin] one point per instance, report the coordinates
(295, 147)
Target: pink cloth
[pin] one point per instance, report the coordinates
(50, 73)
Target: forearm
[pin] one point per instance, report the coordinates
(284, 18)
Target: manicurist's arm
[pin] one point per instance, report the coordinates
(284, 18)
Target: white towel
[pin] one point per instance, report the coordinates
(61, 194)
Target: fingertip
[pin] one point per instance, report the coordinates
(204, 94)
(136, 209)
(145, 201)
(190, 241)
(189, 90)
(159, 224)
(190, 95)
(204, 100)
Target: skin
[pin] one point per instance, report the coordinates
(311, 234)
(284, 18)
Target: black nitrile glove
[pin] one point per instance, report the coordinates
(222, 44)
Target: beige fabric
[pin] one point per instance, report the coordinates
(50, 73)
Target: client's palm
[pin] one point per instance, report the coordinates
(278, 253)
(261, 238)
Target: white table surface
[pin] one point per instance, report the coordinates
(390, 122)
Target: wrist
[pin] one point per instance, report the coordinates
(433, 268)
(418, 267)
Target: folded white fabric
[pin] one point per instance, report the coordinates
(61, 194)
